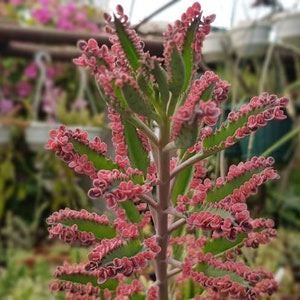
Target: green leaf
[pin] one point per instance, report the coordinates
(137, 296)
(110, 284)
(188, 135)
(182, 182)
(190, 290)
(122, 104)
(213, 210)
(136, 101)
(218, 211)
(212, 271)
(132, 213)
(207, 93)
(100, 161)
(177, 78)
(145, 85)
(129, 49)
(188, 52)
(162, 82)
(220, 245)
(219, 193)
(137, 154)
(103, 96)
(179, 251)
(130, 249)
(100, 231)
(219, 136)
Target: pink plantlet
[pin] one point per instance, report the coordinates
(173, 219)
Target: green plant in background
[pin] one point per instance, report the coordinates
(282, 256)
(83, 110)
(178, 227)
(18, 233)
(18, 282)
(27, 273)
(32, 187)
(291, 253)
(7, 176)
(78, 115)
(33, 182)
(64, 187)
(49, 91)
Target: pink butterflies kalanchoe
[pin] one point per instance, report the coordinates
(176, 227)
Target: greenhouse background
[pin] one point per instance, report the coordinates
(254, 44)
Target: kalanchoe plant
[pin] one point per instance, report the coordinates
(177, 231)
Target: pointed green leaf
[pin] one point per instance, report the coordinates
(136, 101)
(162, 82)
(145, 85)
(188, 135)
(226, 130)
(182, 180)
(190, 290)
(131, 53)
(100, 161)
(215, 272)
(130, 249)
(137, 154)
(132, 213)
(122, 104)
(219, 193)
(218, 211)
(179, 250)
(207, 93)
(177, 71)
(177, 78)
(222, 244)
(182, 183)
(137, 296)
(100, 231)
(188, 52)
(110, 284)
(103, 96)
(213, 210)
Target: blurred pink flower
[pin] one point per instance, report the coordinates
(31, 71)
(67, 10)
(43, 15)
(24, 89)
(65, 24)
(49, 103)
(79, 104)
(18, 2)
(5, 106)
(80, 17)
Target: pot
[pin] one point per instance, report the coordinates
(216, 47)
(287, 28)
(4, 135)
(250, 39)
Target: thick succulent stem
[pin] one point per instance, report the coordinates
(161, 264)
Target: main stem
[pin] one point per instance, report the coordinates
(161, 264)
